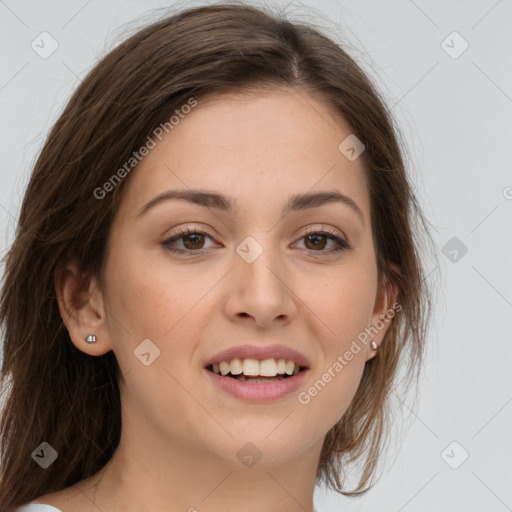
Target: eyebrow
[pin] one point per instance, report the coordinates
(295, 203)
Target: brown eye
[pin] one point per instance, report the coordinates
(315, 241)
(192, 241)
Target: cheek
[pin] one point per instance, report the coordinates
(151, 300)
(150, 296)
(167, 304)
(342, 305)
(332, 388)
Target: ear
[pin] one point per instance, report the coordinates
(81, 308)
(383, 312)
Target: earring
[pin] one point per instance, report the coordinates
(374, 345)
(91, 338)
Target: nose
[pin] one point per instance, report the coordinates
(261, 290)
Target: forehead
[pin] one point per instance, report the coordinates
(258, 148)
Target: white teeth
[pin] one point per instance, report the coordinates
(268, 368)
(224, 367)
(252, 367)
(236, 366)
(290, 365)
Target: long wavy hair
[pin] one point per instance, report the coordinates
(52, 392)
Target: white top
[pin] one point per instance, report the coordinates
(39, 507)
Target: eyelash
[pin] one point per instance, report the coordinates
(341, 245)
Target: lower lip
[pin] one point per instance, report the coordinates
(258, 391)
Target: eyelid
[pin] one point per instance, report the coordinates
(328, 229)
(193, 228)
(186, 230)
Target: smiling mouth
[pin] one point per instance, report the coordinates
(252, 370)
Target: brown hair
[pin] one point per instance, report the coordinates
(60, 395)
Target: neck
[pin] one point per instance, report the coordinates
(150, 471)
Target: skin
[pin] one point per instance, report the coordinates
(181, 435)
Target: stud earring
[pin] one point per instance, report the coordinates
(374, 345)
(91, 338)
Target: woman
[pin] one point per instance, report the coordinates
(214, 278)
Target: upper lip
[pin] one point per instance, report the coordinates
(260, 352)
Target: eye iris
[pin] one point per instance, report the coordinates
(193, 236)
(315, 244)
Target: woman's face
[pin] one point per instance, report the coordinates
(258, 276)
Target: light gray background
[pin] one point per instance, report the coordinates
(455, 114)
